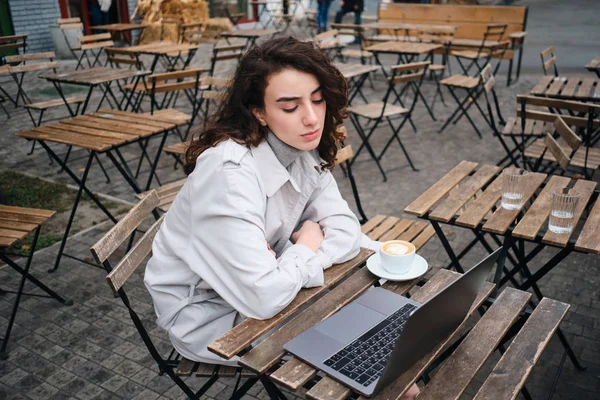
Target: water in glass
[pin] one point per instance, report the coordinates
(563, 203)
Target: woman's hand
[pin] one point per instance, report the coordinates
(310, 235)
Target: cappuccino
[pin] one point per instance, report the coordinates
(398, 248)
(397, 256)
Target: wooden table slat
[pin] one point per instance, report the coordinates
(382, 228)
(38, 212)
(138, 120)
(478, 209)
(455, 375)
(541, 86)
(89, 138)
(415, 229)
(586, 188)
(570, 87)
(586, 88)
(501, 220)
(589, 238)
(242, 335)
(372, 223)
(463, 192)
(537, 214)
(509, 375)
(398, 230)
(328, 389)
(17, 226)
(73, 139)
(431, 196)
(555, 87)
(91, 131)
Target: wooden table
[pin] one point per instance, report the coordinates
(407, 52)
(356, 74)
(452, 378)
(594, 66)
(103, 132)
(121, 31)
(452, 201)
(251, 35)
(567, 88)
(15, 224)
(93, 77)
(171, 53)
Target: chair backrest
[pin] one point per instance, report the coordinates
(214, 91)
(571, 110)
(23, 58)
(561, 156)
(344, 156)
(226, 52)
(116, 57)
(13, 42)
(97, 41)
(549, 60)
(567, 134)
(406, 74)
(206, 35)
(188, 80)
(107, 247)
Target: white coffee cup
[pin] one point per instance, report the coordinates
(397, 256)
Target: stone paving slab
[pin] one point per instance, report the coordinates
(92, 351)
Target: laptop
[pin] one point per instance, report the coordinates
(378, 336)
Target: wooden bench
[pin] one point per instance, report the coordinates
(471, 20)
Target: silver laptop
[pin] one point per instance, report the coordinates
(371, 341)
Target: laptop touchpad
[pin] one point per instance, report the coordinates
(350, 322)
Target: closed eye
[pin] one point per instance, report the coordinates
(289, 110)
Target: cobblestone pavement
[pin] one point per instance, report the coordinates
(92, 351)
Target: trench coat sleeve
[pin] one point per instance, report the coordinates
(228, 242)
(342, 235)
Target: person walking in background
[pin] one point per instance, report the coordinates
(323, 14)
(355, 6)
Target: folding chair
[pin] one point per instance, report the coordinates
(13, 42)
(330, 43)
(15, 224)
(226, 52)
(233, 17)
(94, 45)
(549, 60)
(483, 55)
(19, 67)
(358, 32)
(173, 365)
(118, 57)
(66, 24)
(473, 86)
(533, 123)
(343, 159)
(568, 153)
(409, 76)
(437, 71)
(214, 91)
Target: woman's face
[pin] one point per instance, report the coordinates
(294, 109)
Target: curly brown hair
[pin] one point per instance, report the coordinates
(234, 118)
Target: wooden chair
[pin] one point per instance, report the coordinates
(119, 272)
(485, 52)
(358, 32)
(536, 116)
(407, 75)
(93, 44)
(15, 224)
(330, 43)
(549, 60)
(231, 16)
(117, 58)
(226, 52)
(13, 42)
(566, 153)
(473, 86)
(66, 24)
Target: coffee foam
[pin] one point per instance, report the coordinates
(397, 249)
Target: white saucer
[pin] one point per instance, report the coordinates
(418, 269)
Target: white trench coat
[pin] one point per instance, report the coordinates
(210, 266)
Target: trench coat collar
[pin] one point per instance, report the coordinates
(273, 173)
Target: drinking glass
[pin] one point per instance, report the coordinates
(563, 202)
(513, 187)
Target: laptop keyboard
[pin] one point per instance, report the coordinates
(364, 359)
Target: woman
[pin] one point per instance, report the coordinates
(260, 216)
